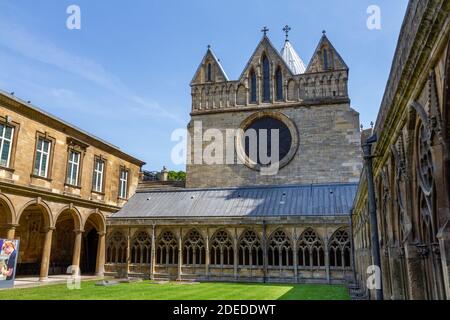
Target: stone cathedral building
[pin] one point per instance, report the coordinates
(231, 221)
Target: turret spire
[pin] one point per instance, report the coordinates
(290, 56)
(286, 29)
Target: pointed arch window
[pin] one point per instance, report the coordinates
(194, 249)
(339, 250)
(325, 59)
(167, 249)
(252, 86)
(209, 72)
(310, 250)
(116, 249)
(279, 84)
(250, 249)
(266, 79)
(140, 248)
(280, 250)
(222, 253)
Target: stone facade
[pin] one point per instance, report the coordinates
(316, 102)
(59, 221)
(411, 170)
(327, 149)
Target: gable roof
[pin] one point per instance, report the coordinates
(209, 54)
(324, 41)
(297, 200)
(268, 46)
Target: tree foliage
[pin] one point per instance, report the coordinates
(177, 176)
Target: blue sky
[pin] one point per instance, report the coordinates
(125, 75)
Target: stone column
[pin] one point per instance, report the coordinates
(295, 255)
(153, 255)
(386, 271)
(235, 255)
(46, 251)
(11, 232)
(207, 255)
(444, 246)
(128, 252)
(100, 266)
(327, 258)
(416, 285)
(264, 245)
(443, 214)
(77, 249)
(180, 254)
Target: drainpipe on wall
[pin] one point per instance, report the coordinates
(353, 264)
(367, 150)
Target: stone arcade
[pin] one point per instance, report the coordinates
(232, 223)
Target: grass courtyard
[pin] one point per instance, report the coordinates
(147, 290)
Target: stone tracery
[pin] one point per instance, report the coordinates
(310, 250)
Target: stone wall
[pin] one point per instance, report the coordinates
(328, 148)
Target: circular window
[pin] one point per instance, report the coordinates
(261, 135)
(256, 144)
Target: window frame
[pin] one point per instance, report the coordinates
(279, 94)
(6, 121)
(79, 147)
(70, 165)
(127, 182)
(46, 137)
(253, 87)
(94, 190)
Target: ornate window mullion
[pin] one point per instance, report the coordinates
(280, 256)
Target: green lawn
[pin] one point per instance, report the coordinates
(147, 290)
